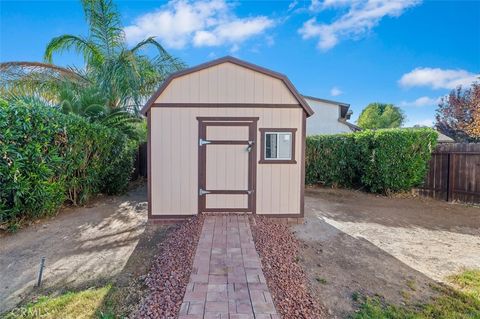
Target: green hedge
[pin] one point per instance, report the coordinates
(331, 160)
(47, 158)
(382, 161)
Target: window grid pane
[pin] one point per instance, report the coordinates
(284, 146)
(278, 146)
(271, 146)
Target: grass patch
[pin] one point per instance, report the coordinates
(81, 304)
(460, 303)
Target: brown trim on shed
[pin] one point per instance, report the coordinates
(227, 210)
(226, 118)
(226, 105)
(251, 122)
(302, 159)
(236, 61)
(149, 164)
(264, 160)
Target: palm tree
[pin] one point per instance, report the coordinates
(122, 76)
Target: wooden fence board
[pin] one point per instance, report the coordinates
(454, 173)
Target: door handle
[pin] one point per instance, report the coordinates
(250, 145)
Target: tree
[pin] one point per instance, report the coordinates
(458, 114)
(381, 115)
(124, 77)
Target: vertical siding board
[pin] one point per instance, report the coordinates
(463, 171)
(222, 70)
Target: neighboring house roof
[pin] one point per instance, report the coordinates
(345, 113)
(442, 138)
(353, 127)
(343, 106)
(236, 61)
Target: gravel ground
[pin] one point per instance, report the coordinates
(278, 250)
(170, 273)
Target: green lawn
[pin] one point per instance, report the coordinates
(82, 304)
(463, 302)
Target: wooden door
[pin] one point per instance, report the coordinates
(227, 153)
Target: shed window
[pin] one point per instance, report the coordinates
(278, 146)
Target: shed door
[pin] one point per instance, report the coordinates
(226, 168)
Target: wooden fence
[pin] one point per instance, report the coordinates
(140, 164)
(454, 173)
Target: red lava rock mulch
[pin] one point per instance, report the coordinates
(170, 273)
(278, 249)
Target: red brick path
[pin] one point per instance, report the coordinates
(227, 281)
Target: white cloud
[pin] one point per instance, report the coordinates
(422, 101)
(437, 78)
(360, 18)
(425, 122)
(316, 5)
(200, 23)
(335, 91)
(292, 5)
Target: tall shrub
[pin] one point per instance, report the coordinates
(47, 158)
(381, 161)
(331, 160)
(394, 160)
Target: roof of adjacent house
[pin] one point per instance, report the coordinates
(308, 110)
(442, 138)
(343, 106)
(344, 111)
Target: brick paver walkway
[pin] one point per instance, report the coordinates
(227, 281)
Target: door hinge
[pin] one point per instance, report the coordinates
(203, 142)
(202, 192)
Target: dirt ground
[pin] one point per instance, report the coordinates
(109, 241)
(396, 248)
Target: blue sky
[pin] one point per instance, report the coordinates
(406, 52)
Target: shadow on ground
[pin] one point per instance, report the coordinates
(356, 206)
(107, 241)
(360, 244)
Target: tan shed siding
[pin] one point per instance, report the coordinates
(226, 201)
(174, 137)
(231, 133)
(227, 83)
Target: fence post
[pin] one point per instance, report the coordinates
(451, 172)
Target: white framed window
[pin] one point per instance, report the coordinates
(278, 145)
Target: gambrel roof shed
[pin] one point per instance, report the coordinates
(235, 61)
(226, 136)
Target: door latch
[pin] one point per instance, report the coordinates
(250, 146)
(203, 142)
(202, 192)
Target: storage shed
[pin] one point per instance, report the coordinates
(226, 136)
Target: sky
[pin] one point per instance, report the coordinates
(406, 52)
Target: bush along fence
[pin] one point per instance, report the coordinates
(48, 158)
(380, 161)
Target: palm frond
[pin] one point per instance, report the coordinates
(105, 25)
